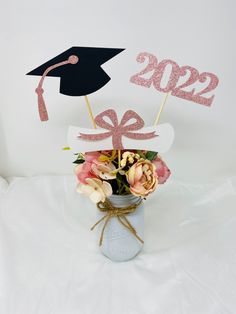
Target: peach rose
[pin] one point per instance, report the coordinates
(142, 178)
(162, 171)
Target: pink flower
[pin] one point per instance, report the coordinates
(104, 169)
(94, 168)
(101, 169)
(162, 171)
(92, 156)
(142, 178)
(83, 171)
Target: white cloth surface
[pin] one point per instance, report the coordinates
(50, 260)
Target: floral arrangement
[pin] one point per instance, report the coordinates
(103, 173)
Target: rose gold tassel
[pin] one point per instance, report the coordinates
(39, 90)
(43, 114)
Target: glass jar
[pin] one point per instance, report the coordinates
(119, 243)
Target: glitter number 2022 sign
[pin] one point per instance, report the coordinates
(173, 85)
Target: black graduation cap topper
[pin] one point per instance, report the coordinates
(79, 69)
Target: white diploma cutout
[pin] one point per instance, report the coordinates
(160, 143)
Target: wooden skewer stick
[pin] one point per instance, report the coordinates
(119, 157)
(90, 111)
(164, 99)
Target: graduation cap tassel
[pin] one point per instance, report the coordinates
(39, 90)
(43, 114)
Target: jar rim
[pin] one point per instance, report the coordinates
(128, 196)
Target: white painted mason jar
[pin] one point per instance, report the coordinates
(119, 243)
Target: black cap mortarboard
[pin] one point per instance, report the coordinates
(79, 69)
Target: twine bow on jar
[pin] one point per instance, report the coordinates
(118, 212)
(117, 130)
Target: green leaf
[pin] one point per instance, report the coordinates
(78, 161)
(151, 155)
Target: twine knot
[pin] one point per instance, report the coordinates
(119, 212)
(39, 90)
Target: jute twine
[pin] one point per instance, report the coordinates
(118, 212)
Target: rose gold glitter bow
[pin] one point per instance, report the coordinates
(117, 130)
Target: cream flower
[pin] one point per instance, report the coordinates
(128, 158)
(97, 190)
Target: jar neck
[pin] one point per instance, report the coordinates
(123, 200)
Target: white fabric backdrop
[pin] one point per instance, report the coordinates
(50, 262)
